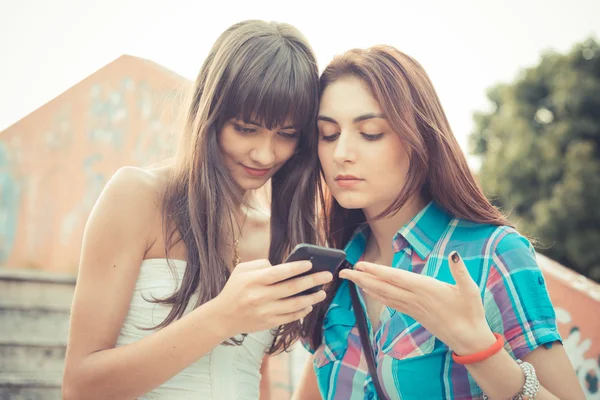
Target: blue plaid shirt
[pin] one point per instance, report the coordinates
(411, 362)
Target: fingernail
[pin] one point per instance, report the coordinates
(454, 256)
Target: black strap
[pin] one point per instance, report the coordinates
(363, 329)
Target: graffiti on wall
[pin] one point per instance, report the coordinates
(74, 220)
(587, 369)
(10, 193)
(72, 147)
(155, 139)
(108, 118)
(59, 136)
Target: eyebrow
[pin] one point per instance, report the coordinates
(258, 124)
(361, 118)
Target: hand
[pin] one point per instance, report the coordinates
(255, 298)
(452, 313)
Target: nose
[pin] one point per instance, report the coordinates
(344, 149)
(263, 153)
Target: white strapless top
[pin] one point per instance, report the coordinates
(227, 372)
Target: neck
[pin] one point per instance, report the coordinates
(383, 230)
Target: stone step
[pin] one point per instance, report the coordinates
(33, 289)
(30, 386)
(19, 359)
(24, 393)
(37, 326)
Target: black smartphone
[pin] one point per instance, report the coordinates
(322, 258)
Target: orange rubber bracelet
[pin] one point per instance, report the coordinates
(482, 355)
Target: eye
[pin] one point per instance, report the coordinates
(372, 137)
(329, 138)
(289, 135)
(243, 130)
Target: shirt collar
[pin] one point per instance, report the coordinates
(425, 229)
(421, 234)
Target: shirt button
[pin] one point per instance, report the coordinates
(541, 280)
(325, 320)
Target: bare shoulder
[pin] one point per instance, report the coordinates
(130, 203)
(136, 184)
(134, 190)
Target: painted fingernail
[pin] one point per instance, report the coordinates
(454, 256)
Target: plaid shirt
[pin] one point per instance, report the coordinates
(411, 362)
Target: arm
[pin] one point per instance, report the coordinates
(265, 381)
(553, 369)
(517, 305)
(307, 387)
(114, 244)
(516, 286)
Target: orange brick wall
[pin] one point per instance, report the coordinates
(55, 161)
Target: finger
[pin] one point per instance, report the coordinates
(459, 271)
(294, 316)
(296, 285)
(399, 304)
(293, 304)
(398, 277)
(285, 271)
(374, 285)
(253, 265)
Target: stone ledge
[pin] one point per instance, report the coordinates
(31, 380)
(34, 275)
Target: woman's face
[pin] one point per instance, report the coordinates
(364, 161)
(253, 153)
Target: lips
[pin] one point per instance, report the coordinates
(347, 178)
(255, 171)
(347, 181)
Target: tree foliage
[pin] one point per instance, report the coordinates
(540, 153)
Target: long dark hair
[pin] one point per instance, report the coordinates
(255, 71)
(438, 169)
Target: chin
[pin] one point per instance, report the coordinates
(251, 184)
(351, 201)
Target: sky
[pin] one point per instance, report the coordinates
(465, 46)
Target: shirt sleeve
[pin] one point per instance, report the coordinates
(516, 299)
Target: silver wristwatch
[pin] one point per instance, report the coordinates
(531, 387)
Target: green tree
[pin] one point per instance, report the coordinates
(540, 153)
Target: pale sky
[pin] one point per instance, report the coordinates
(465, 46)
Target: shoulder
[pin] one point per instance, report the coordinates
(132, 197)
(135, 187)
(490, 239)
(128, 181)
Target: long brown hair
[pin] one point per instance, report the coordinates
(258, 71)
(438, 169)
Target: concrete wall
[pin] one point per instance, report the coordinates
(55, 161)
